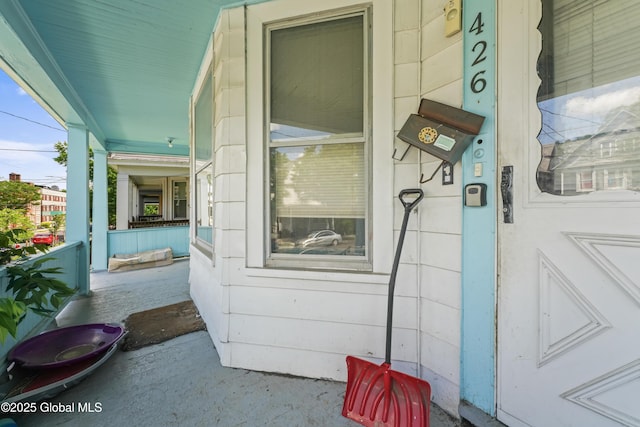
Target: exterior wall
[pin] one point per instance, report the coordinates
(305, 322)
(210, 278)
(429, 65)
(54, 202)
(161, 170)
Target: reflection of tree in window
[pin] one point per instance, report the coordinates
(316, 187)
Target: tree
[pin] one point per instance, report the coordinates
(112, 179)
(15, 219)
(56, 225)
(18, 195)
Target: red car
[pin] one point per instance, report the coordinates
(42, 239)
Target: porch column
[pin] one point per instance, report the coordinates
(100, 212)
(77, 228)
(123, 215)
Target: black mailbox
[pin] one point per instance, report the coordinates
(441, 130)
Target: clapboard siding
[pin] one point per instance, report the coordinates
(440, 224)
(305, 322)
(345, 308)
(327, 337)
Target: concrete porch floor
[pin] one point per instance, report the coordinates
(181, 382)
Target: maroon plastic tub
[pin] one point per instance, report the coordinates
(65, 346)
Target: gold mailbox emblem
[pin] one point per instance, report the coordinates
(428, 135)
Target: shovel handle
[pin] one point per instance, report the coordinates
(410, 202)
(409, 197)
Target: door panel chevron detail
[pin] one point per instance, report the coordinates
(566, 317)
(613, 395)
(617, 255)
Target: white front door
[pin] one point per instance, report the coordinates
(569, 263)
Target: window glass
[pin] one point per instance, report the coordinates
(179, 200)
(204, 205)
(589, 96)
(318, 199)
(203, 165)
(203, 117)
(317, 155)
(317, 73)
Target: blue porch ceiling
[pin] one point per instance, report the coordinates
(125, 68)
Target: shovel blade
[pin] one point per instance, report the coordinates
(377, 396)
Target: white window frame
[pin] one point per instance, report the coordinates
(580, 182)
(172, 183)
(618, 175)
(206, 72)
(323, 261)
(381, 131)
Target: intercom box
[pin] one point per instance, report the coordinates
(441, 130)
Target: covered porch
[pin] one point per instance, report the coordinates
(122, 91)
(181, 381)
(153, 78)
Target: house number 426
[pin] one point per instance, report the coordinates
(478, 83)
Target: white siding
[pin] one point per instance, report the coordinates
(438, 74)
(306, 322)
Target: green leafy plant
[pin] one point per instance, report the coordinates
(13, 247)
(11, 314)
(30, 287)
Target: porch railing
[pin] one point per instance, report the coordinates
(145, 239)
(66, 257)
(149, 223)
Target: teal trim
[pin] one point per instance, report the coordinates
(100, 212)
(37, 62)
(146, 239)
(478, 336)
(77, 227)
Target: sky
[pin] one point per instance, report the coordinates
(584, 112)
(27, 136)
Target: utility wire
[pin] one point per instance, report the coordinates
(36, 151)
(32, 121)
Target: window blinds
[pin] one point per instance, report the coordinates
(317, 76)
(319, 181)
(592, 43)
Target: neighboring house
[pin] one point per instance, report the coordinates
(152, 205)
(53, 202)
(607, 160)
(525, 309)
(151, 190)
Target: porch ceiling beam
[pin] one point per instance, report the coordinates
(27, 59)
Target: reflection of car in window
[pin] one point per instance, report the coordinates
(320, 238)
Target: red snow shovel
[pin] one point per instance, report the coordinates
(376, 396)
